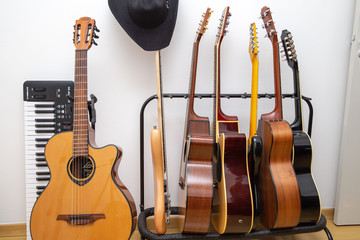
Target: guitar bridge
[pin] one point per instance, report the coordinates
(80, 219)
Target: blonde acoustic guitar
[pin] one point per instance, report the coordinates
(85, 198)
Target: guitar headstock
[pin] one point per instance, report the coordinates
(204, 22)
(253, 43)
(84, 33)
(288, 48)
(268, 23)
(224, 22)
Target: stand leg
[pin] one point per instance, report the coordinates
(328, 234)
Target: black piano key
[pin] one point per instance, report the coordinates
(40, 187)
(41, 165)
(44, 111)
(41, 139)
(42, 179)
(40, 145)
(40, 159)
(39, 193)
(44, 120)
(42, 173)
(44, 125)
(44, 105)
(39, 154)
(44, 131)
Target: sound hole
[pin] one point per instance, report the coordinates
(81, 167)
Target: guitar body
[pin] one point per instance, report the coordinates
(310, 199)
(99, 207)
(158, 166)
(197, 193)
(278, 187)
(233, 204)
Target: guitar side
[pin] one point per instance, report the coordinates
(310, 198)
(197, 191)
(233, 203)
(100, 209)
(278, 187)
(158, 165)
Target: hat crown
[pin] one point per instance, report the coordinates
(148, 13)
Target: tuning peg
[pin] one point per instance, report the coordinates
(95, 36)
(93, 41)
(96, 29)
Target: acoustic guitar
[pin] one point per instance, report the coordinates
(85, 198)
(162, 196)
(309, 196)
(278, 187)
(232, 204)
(196, 179)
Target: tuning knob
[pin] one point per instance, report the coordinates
(95, 36)
(93, 41)
(96, 29)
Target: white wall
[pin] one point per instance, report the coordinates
(36, 44)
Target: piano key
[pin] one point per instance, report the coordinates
(42, 173)
(44, 111)
(40, 145)
(45, 125)
(45, 131)
(44, 105)
(40, 159)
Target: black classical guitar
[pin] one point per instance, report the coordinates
(302, 151)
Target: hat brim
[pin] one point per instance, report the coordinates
(150, 39)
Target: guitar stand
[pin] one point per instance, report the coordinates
(264, 233)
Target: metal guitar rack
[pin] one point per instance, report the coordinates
(145, 213)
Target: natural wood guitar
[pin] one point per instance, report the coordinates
(161, 195)
(232, 204)
(279, 192)
(196, 179)
(85, 198)
(302, 152)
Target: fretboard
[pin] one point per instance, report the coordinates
(190, 101)
(277, 112)
(297, 125)
(80, 129)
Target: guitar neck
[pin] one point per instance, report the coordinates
(160, 103)
(277, 112)
(254, 96)
(297, 125)
(190, 102)
(80, 127)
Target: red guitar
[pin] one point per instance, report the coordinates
(232, 205)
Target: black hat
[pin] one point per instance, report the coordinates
(150, 23)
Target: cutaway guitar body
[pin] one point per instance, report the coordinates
(96, 207)
(280, 200)
(233, 209)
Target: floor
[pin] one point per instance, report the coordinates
(17, 232)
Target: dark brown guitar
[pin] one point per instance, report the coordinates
(232, 205)
(196, 179)
(310, 199)
(278, 187)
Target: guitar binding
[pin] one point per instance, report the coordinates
(148, 212)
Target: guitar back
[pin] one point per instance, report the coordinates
(280, 199)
